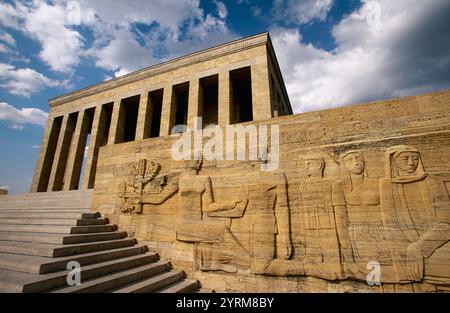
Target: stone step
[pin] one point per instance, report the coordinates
(118, 279)
(9, 287)
(152, 283)
(46, 214)
(55, 229)
(60, 238)
(54, 251)
(74, 195)
(44, 206)
(203, 290)
(40, 208)
(24, 282)
(53, 221)
(182, 286)
(43, 265)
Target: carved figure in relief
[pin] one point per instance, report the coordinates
(319, 236)
(265, 200)
(415, 209)
(195, 203)
(356, 202)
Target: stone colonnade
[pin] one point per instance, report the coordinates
(71, 141)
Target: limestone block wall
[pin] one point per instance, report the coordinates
(359, 189)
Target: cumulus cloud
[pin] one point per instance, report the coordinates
(407, 52)
(48, 24)
(120, 46)
(122, 54)
(300, 11)
(124, 37)
(24, 81)
(18, 118)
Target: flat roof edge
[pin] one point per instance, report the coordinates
(192, 58)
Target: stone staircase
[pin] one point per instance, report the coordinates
(41, 232)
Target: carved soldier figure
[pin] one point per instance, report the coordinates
(416, 212)
(356, 202)
(265, 200)
(322, 257)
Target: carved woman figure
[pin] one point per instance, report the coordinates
(356, 202)
(415, 209)
(317, 221)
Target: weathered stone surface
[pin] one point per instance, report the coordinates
(40, 260)
(346, 199)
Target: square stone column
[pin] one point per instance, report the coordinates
(194, 104)
(61, 153)
(260, 92)
(45, 158)
(90, 163)
(115, 130)
(75, 160)
(224, 99)
(144, 118)
(166, 111)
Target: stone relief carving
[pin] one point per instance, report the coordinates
(142, 185)
(196, 201)
(399, 220)
(356, 201)
(317, 221)
(264, 198)
(415, 209)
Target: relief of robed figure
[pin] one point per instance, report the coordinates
(356, 201)
(317, 221)
(416, 212)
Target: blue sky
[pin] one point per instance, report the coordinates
(331, 52)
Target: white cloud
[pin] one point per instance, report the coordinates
(121, 47)
(123, 54)
(4, 187)
(4, 49)
(35, 146)
(300, 11)
(168, 14)
(24, 81)
(221, 9)
(8, 15)
(18, 118)
(7, 38)
(47, 23)
(406, 53)
(119, 43)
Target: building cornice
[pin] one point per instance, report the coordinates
(157, 69)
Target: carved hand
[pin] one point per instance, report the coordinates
(288, 252)
(286, 249)
(415, 262)
(221, 210)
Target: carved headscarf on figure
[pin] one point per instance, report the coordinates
(402, 212)
(391, 171)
